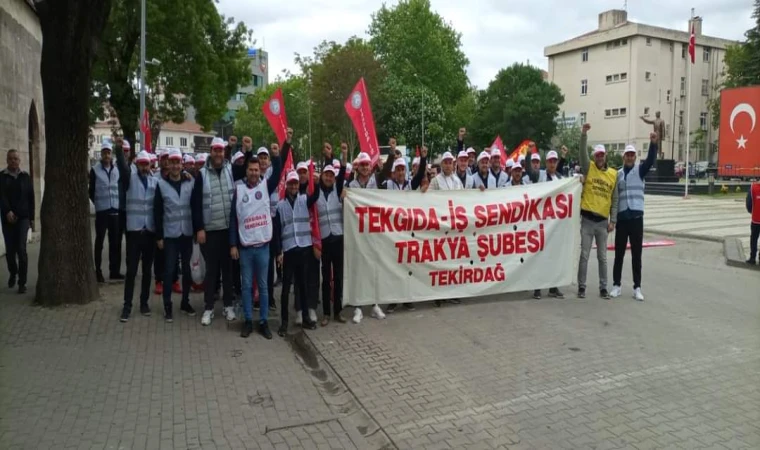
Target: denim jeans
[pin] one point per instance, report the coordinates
(254, 261)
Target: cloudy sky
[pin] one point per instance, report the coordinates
(495, 33)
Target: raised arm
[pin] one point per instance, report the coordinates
(645, 166)
(585, 162)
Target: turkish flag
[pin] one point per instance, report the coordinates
(316, 235)
(274, 111)
(692, 45)
(359, 110)
(739, 132)
(520, 150)
(500, 145)
(145, 130)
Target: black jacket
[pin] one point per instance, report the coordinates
(17, 195)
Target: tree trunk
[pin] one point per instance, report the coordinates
(70, 30)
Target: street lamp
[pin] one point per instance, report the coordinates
(422, 104)
(308, 102)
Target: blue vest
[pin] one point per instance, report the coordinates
(106, 188)
(140, 203)
(178, 216)
(630, 190)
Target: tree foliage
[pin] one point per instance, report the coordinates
(202, 62)
(518, 104)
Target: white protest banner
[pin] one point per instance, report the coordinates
(408, 246)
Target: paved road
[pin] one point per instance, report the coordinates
(679, 370)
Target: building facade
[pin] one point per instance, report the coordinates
(22, 119)
(612, 76)
(258, 61)
(186, 136)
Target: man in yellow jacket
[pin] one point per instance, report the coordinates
(598, 211)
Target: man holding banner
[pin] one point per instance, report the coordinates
(483, 178)
(446, 180)
(502, 178)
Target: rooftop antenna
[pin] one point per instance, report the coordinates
(625, 5)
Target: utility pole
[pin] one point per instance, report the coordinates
(673, 130)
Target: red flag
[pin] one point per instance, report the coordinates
(692, 45)
(316, 235)
(359, 110)
(286, 168)
(500, 145)
(145, 130)
(274, 111)
(520, 150)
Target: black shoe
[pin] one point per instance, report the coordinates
(168, 317)
(391, 308)
(556, 293)
(247, 329)
(455, 301)
(12, 280)
(309, 325)
(264, 330)
(282, 331)
(537, 294)
(22, 289)
(604, 294)
(437, 303)
(273, 307)
(99, 276)
(187, 309)
(749, 261)
(124, 316)
(409, 306)
(256, 306)
(581, 292)
(145, 310)
(116, 277)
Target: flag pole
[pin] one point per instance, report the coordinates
(688, 107)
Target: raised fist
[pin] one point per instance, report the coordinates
(585, 128)
(653, 137)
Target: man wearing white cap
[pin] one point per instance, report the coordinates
(630, 215)
(188, 163)
(200, 161)
(462, 170)
(483, 178)
(212, 195)
(250, 237)
(128, 155)
(176, 224)
(447, 179)
(472, 165)
(264, 162)
(599, 203)
(140, 188)
(516, 174)
(105, 193)
(502, 178)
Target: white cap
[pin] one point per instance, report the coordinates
(416, 161)
(174, 153)
(125, 145)
(107, 145)
(483, 155)
(470, 150)
(510, 163)
(447, 155)
(218, 142)
(152, 156)
(336, 164)
(599, 148)
(363, 158)
(348, 168)
(462, 154)
(292, 176)
(535, 157)
(302, 165)
(552, 155)
(188, 159)
(399, 162)
(629, 149)
(515, 166)
(162, 152)
(143, 157)
(262, 150)
(237, 156)
(330, 168)
(201, 158)
(521, 159)
(495, 152)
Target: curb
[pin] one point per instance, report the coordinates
(734, 253)
(686, 235)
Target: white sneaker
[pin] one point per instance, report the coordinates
(616, 291)
(206, 319)
(299, 318)
(229, 313)
(638, 295)
(357, 315)
(377, 313)
(313, 315)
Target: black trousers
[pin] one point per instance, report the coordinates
(159, 266)
(625, 231)
(181, 247)
(754, 234)
(332, 269)
(295, 272)
(141, 247)
(216, 253)
(123, 231)
(106, 221)
(14, 236)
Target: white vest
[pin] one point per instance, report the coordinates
(217, 198)
(178, 216)
(253, 214)
(630, 190)
(490, 183)
(543, 177)
(330, 214)
(469, 182)
(296, 231)
(502, 179)
(451, 182)
(371, 183)
(391, 185)
(140, 203)
(106, 188)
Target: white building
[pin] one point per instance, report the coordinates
(623, 70)
(187, 136)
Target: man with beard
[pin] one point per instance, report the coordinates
(483, 178)
(501, 177)
(516, 172)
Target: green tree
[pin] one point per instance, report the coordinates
(202, 62)
(518, 104)
(71, 31)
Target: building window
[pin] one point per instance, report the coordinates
(703, 120)
(623, 111)
(706, 55)
(615, 112)
(624, 42)
(582, 117)
(649, 41)
(680, 117)
(683, 86)
(607, 113)
(584, 55)
(671, 47)
(648, 76)
(616, 43)
(623, 76)
(683, 51)
(667, 96)
(169, 140)
(705, 87)
(609, 78)
(255, 80)
(183, 142)
(646, 110)
(616, 77)
(584, 87)
(240, 96)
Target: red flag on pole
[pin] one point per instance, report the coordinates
(145, 130)
(274, 111)
(286, 168)
(692, 45)
(359, 110)
(316, 235)
(500, 145)
(521, 150)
